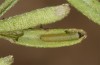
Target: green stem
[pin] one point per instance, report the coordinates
(14, 35)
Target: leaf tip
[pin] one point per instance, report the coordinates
(62, 10)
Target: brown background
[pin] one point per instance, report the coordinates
(85, 53)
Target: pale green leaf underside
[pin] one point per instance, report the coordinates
(6, 5)
(8, 60)
(90, 8)
(31, 38)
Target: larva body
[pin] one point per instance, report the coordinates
(60, 37)
(34, 18)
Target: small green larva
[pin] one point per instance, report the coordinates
(60, 37)
(30, 19)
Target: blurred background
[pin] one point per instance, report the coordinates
(85, 53)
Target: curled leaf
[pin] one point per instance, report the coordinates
(4, 7)
(8, 60)
(30, 19)
(50, 38)
(90, 8)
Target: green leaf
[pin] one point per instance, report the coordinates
(90, 8)
(16, 28)
(31, 19)
(50, 38)
(8, 60)
(4, 7)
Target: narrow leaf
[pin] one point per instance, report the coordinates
(8, 60)
(90, 8)
(6, 5)
(50, 38)
(30, 19)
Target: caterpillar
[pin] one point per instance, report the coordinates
(60, 37)
(36, 17)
